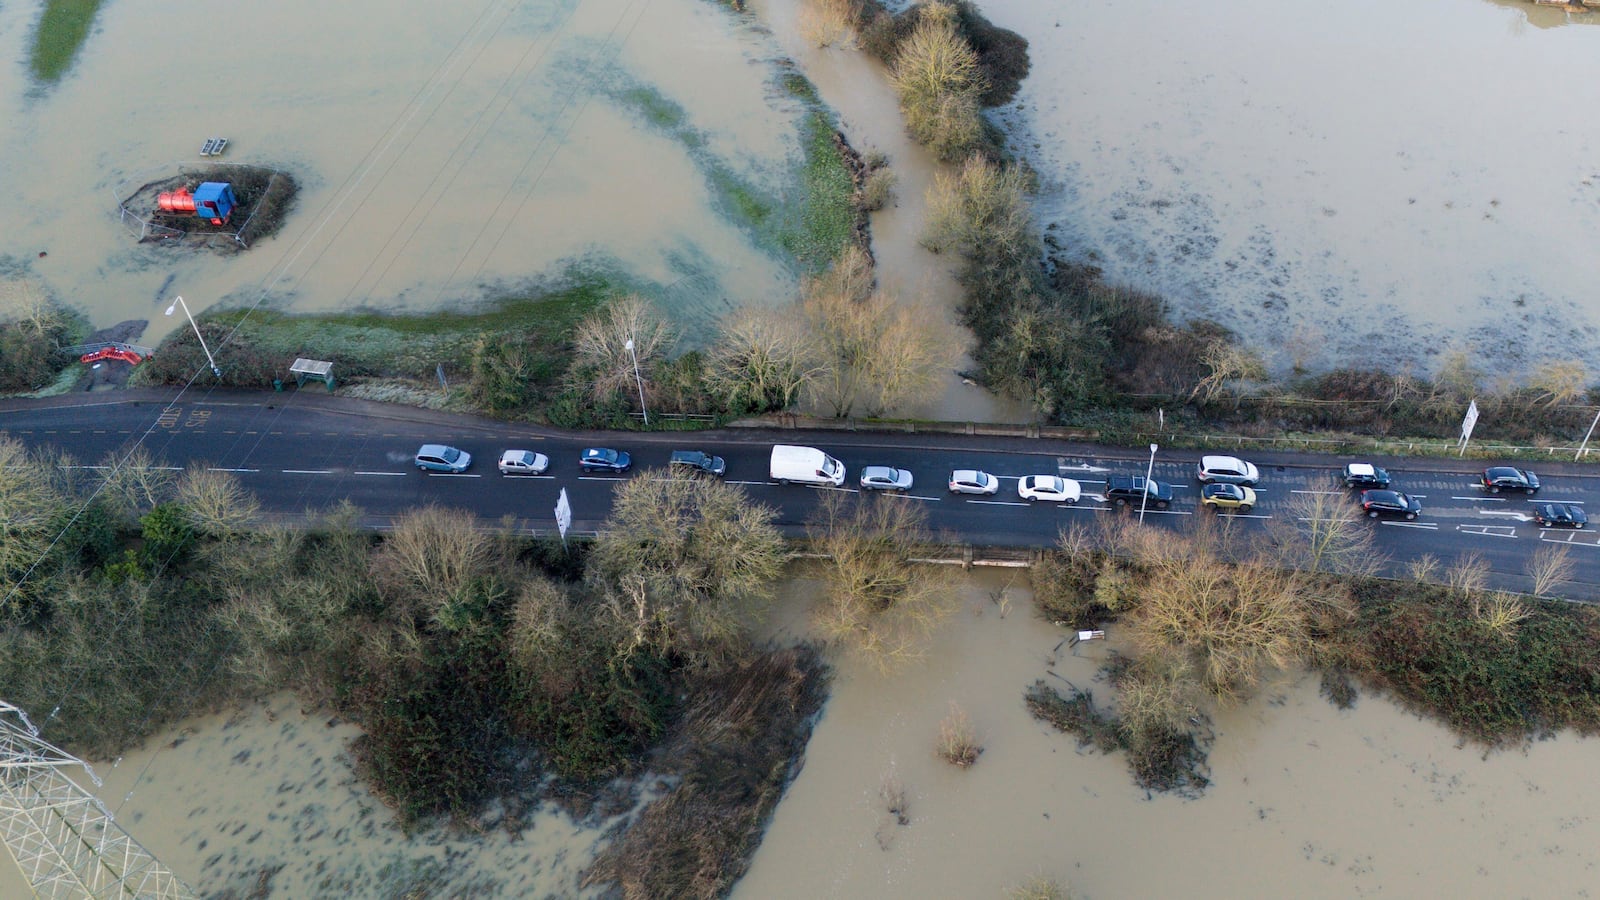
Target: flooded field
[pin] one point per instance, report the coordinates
(1375, 181)
(1306, 800)
(450, 152)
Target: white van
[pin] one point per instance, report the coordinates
(805, 465)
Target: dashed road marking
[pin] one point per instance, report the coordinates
(388, 474)
(308, 471)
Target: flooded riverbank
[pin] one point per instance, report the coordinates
(1362, 183)
(1305, 800)
(455, 152)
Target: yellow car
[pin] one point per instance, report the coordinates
(1230, 497)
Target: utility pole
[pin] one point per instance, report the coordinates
(60, 835)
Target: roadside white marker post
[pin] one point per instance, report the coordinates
(1144, 498)
(563, 517)
(1585, 445)
(1467, 421)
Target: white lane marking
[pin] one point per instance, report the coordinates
(1504, 531)
(308, 471)
(999, 502)
(1081, 467)
(1298, 491)
(1244, 516)
(742, 482)
(1423, 525)
(390, 474)
(451, 475)
(220, 469)
(920, 497)
(1480, 499)
(510, 477)
(602, 478)
(1520, 517)
(1570, 537)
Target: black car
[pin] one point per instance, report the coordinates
(1390, 503)
(1122, 490)
(603, 459)
(696, 462)
(1560, 515)
(1365, 476)
(1509, 478)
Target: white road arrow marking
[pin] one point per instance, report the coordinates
(1520, 517)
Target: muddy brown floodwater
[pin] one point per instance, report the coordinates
(1353, 182)
(1307, 801)
(441, 152)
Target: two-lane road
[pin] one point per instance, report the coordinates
(300, 453)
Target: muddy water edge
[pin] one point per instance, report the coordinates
(1305, 801)
(856, 87)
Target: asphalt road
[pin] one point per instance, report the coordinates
(307, 451)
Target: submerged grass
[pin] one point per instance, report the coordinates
(377, 344)
(63, 27)
(810, 223)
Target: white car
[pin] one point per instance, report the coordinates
(885, 478)
(523, 462)
(1227, 470)
(1053, 488)
(971, 481)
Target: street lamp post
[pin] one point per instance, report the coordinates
(173, 308)
(638, 380)
(1144, 499)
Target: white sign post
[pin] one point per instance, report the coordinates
(563, 517)
(1467, 422)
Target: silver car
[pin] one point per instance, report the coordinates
(885, 478)
(972, 481)
(523, 462)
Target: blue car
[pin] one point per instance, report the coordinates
(439, 458)
(603, 459)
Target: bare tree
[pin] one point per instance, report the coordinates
(982, 210)
(1228, 363)
(603, 362)
(133, 484)
(1468, 575)
(216, 502)
(1500, 614)
(1233, 621)
(1324, 532)
(1550, 567)
(940, 83)
(429, 560)
(1560, 382)
(762, 361)
(682, 562)
(872, 352)
(879, 600)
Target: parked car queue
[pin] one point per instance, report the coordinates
(1227, 483)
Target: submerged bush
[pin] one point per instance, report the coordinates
(940, 83)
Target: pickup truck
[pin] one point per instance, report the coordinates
(1122, 490)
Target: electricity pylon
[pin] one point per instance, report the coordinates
(61, 836)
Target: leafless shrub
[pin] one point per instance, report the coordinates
(430, 559)
(983, 208)
(682, 561)
(958, 740)
(1560, 382)
(940, 83)
(1423, 568)
(878, 600)
(826, 22)
(1499, 613)
(1550, 567)
(1324, 532)
(133, 484)
(602, 362)
(1228, 364)
(878, 189)
(216, 503)
(870, 350)
(1468, 575)
(762, 360)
